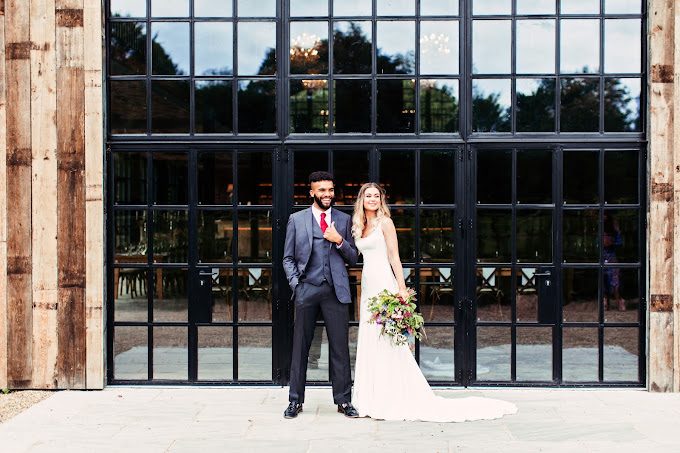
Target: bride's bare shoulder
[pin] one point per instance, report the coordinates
(387, 224)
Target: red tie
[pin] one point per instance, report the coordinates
(323, 223)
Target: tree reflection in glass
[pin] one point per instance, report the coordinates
(309, 48)
(170, 48)
(535, 105)
(309, 106)
(396, 108)
(127, 51)
(580, 105)
(256, 48)
(213, 106)
(170, 106)
(396, 47)
(622, 105)
(491, 105)
(352, 47)
(257, 106)
(352, 106)
(439, 106)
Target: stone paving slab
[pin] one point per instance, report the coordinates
(181, 419)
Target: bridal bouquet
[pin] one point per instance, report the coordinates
(397, 316)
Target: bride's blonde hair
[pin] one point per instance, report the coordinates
(359, 216)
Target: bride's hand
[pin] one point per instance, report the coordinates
(403, 293)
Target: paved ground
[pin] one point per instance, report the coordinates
(250, 420)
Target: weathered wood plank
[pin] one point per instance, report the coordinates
(19, 292)
(94, 202)
(44, 194)
(676, 183)
(660, 352)
(71, 366)
(3, 208)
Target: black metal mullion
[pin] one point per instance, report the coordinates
(150, 276)
(192, 268)
(600, 276)
(513, 269)
(235, 262)
(557, 261)
(374, 69)
(149, 68)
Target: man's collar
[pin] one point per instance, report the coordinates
(319, 211)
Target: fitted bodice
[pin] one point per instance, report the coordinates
(377, 273)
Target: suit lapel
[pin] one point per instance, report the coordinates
(309, 224)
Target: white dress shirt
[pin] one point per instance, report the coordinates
(316, 212)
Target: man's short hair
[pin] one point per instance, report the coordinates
(317, 176)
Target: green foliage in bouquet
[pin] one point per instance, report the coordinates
(398, 316)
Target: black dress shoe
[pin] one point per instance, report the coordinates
(348, 410)
(293, 409)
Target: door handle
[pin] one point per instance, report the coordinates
(542, 274)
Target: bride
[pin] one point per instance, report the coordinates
(388, 383)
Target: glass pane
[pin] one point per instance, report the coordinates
(622, 45)
(437, 296)
(491, 105)
(535, 108)
(437, 235)
(215, 354)
(128, 8)
(220, 299)
(350, 169)
(127, 54)
(257, 8)
(125, 120)
(579, 302)
(438, 7)
(493, 353)
(171, 295)
(317, 364)
(534, 176)
(215, 237)
(307, 162)
(621, 177)
(581, 229)
(170, 106)
(170, 353)
(580, 6)
(580, 109)
(535, 6)
(621, 354)
(213, 8)
(170, 237)
(622, 6)
(213, 107)
(396, 108)
(534, 354)
(622, 112)
(353, 8)
(481, 7)
(493, 293)
(535, 46)
(437, 354)
(491, 42)
(309, 48)
(527, 295)
(212, 56)
(256, 106)
(309, 106)
(621, 295)
(129, 178)
(130, 352)
(255, 178)
(215, 178)
(169, 8)
(494, 229)
(130, 296)
(437, 179)
(130, 237)
(439, 106)
(396, 47)
(255, 353)
(254, 286)
(579, 46)
(397, 175)
(352, 106)
(256, 47)
(308, 8)
(439, 47)
(352, 47)
(170, 178)
(494, 176)
(579, 354)
(583, 170)
(620, 236)
(396, 7)
(170, 48)
(534, 236)
(255, 236)
(405, 224)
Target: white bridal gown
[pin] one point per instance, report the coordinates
(388, 383)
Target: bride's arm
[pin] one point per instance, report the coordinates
(390, 234)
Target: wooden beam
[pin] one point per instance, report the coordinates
(3, 206)
(19, 287)
(94, 200)
(71, 196)
(676, 183)
(44, 193)
(662, 194)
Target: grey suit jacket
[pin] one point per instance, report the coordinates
(298, 249)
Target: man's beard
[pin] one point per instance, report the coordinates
(320, 204)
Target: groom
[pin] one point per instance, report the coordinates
(318, 244)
